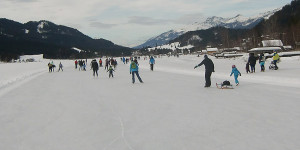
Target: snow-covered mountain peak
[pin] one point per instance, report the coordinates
(41, 25)
(237, 22)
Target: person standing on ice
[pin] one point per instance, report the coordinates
(106, 64)
(236, 74)
(262, 60)
(252, 62)
(275, 59)
(95, 67)
(134, 69)
(110, 70)
(76, 62)
(151, 62)
(124, 60)
(60, 67)
(100, 62)
(209, 68)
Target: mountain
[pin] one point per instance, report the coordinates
(54, 41)
(283, 25)
(237, 22)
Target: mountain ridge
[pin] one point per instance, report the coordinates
(52, 40)
(236, 22)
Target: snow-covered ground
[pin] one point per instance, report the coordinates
(171, 110)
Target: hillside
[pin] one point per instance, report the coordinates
(236, 22)
(54, 41)
(283, 25)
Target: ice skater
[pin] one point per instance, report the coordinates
(95, 67)
(209, 68)
(236, 74)
(151, 62)
(60, 67)
(110, 70)
(134, 69)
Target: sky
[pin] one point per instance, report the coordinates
(129, 22)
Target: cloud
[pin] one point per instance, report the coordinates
(110, 18)
(147, 20)
(23, 1)
(190, 18)
(102, 25)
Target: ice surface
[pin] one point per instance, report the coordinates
(170, 111)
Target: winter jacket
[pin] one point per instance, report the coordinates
(235, 72)
(110, 69)
(275, 56)
(95, 65)
(252, 60)
(209, 65)
(262, 59)
(152, 61)
(132, 68)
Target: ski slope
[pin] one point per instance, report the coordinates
(171, 110)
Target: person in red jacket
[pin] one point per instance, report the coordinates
(76, 64)
(100, 62)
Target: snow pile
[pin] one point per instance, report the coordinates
(171, 46)
(31, 57)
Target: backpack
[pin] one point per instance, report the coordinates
(225, 83)
(133, 65)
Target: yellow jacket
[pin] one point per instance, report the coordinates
(276, 57)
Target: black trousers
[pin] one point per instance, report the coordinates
(207, 78)
(95, 71)
(151, 66)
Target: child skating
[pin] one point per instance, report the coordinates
(110, 70)
(236, 73)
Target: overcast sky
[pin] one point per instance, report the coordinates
(129, 22)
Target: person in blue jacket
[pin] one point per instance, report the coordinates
(151, 62)
(134, 69)
(236, 73)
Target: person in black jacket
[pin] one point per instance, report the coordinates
(209, 68)
(252, 61)
(95, 67)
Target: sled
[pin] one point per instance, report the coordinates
(221, 86)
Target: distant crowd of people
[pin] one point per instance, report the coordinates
(111, 64)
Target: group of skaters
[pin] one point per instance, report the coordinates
(81, 64)
(52, 66)
(209, 66)
(261, 59)
(110, 66)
